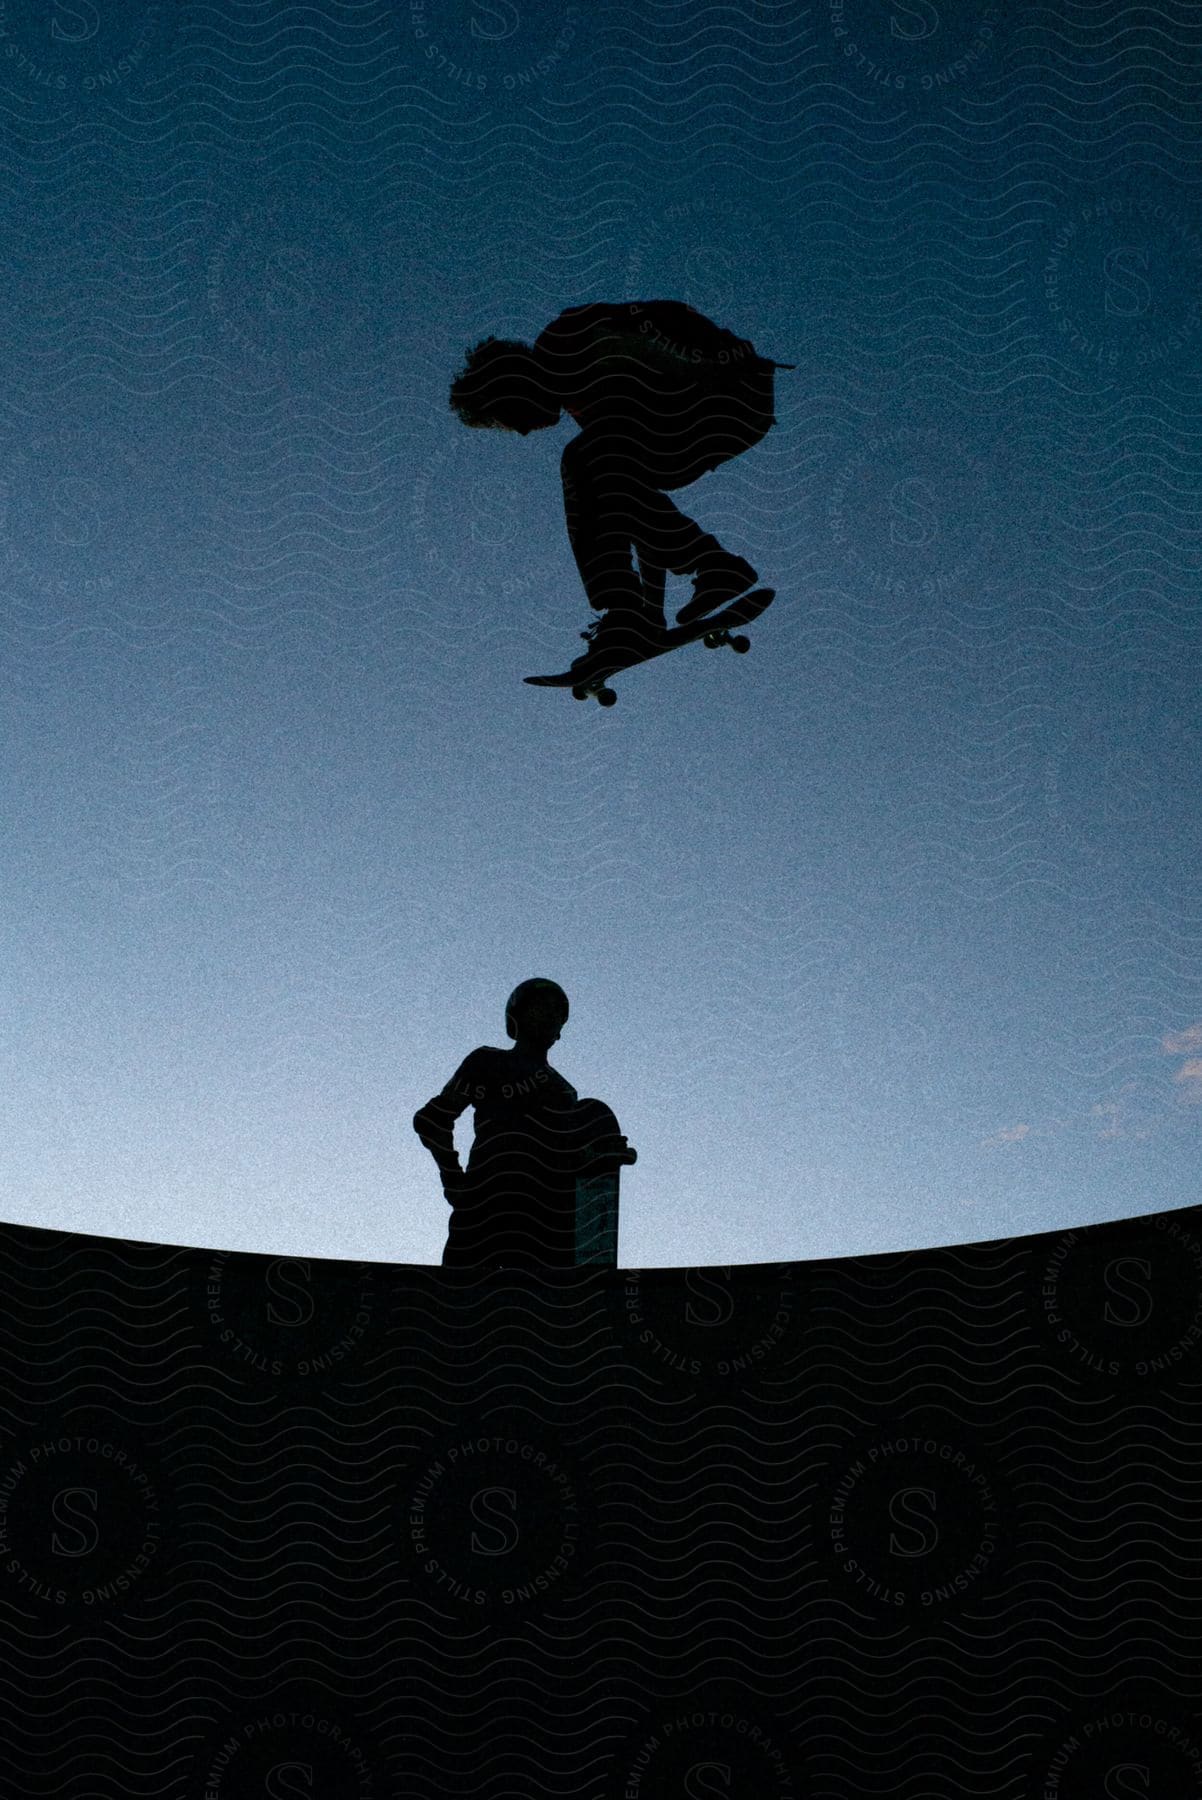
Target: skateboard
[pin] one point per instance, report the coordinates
(588, 679)
(603, 1150)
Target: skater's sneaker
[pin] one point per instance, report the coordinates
(622, 628)
(720, 578)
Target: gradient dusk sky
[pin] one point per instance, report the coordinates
(887, 934)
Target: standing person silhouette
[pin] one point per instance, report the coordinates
(514, 1205)
(662, 396)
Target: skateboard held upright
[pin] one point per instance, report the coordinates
(602, 1152)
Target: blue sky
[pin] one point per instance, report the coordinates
(886, 934)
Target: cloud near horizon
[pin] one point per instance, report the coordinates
(1009, 1134)
(1190, 1076)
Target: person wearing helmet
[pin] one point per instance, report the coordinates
(513, 1205)
(662, 396)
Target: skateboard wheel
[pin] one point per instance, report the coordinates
(712, 639)
(580, 693)
(607, 697)
(741, 644)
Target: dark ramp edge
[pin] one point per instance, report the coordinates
(914, 1524)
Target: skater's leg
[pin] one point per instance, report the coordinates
(611, 507)
(677, 543)
(718, 574)
(729, 419)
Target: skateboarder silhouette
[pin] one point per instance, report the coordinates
(662, 396)
(515, 1204)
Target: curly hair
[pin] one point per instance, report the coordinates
(496, 370)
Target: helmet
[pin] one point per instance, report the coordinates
(526, 990)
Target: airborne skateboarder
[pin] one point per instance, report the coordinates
(662, 396)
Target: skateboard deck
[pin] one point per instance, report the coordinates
(588, 678)
(603, 1150)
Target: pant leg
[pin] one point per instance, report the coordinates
(616, 479)
(513, 1209)
(612, 504)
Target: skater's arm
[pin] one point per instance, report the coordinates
(434, 1125)
(434, 1122)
